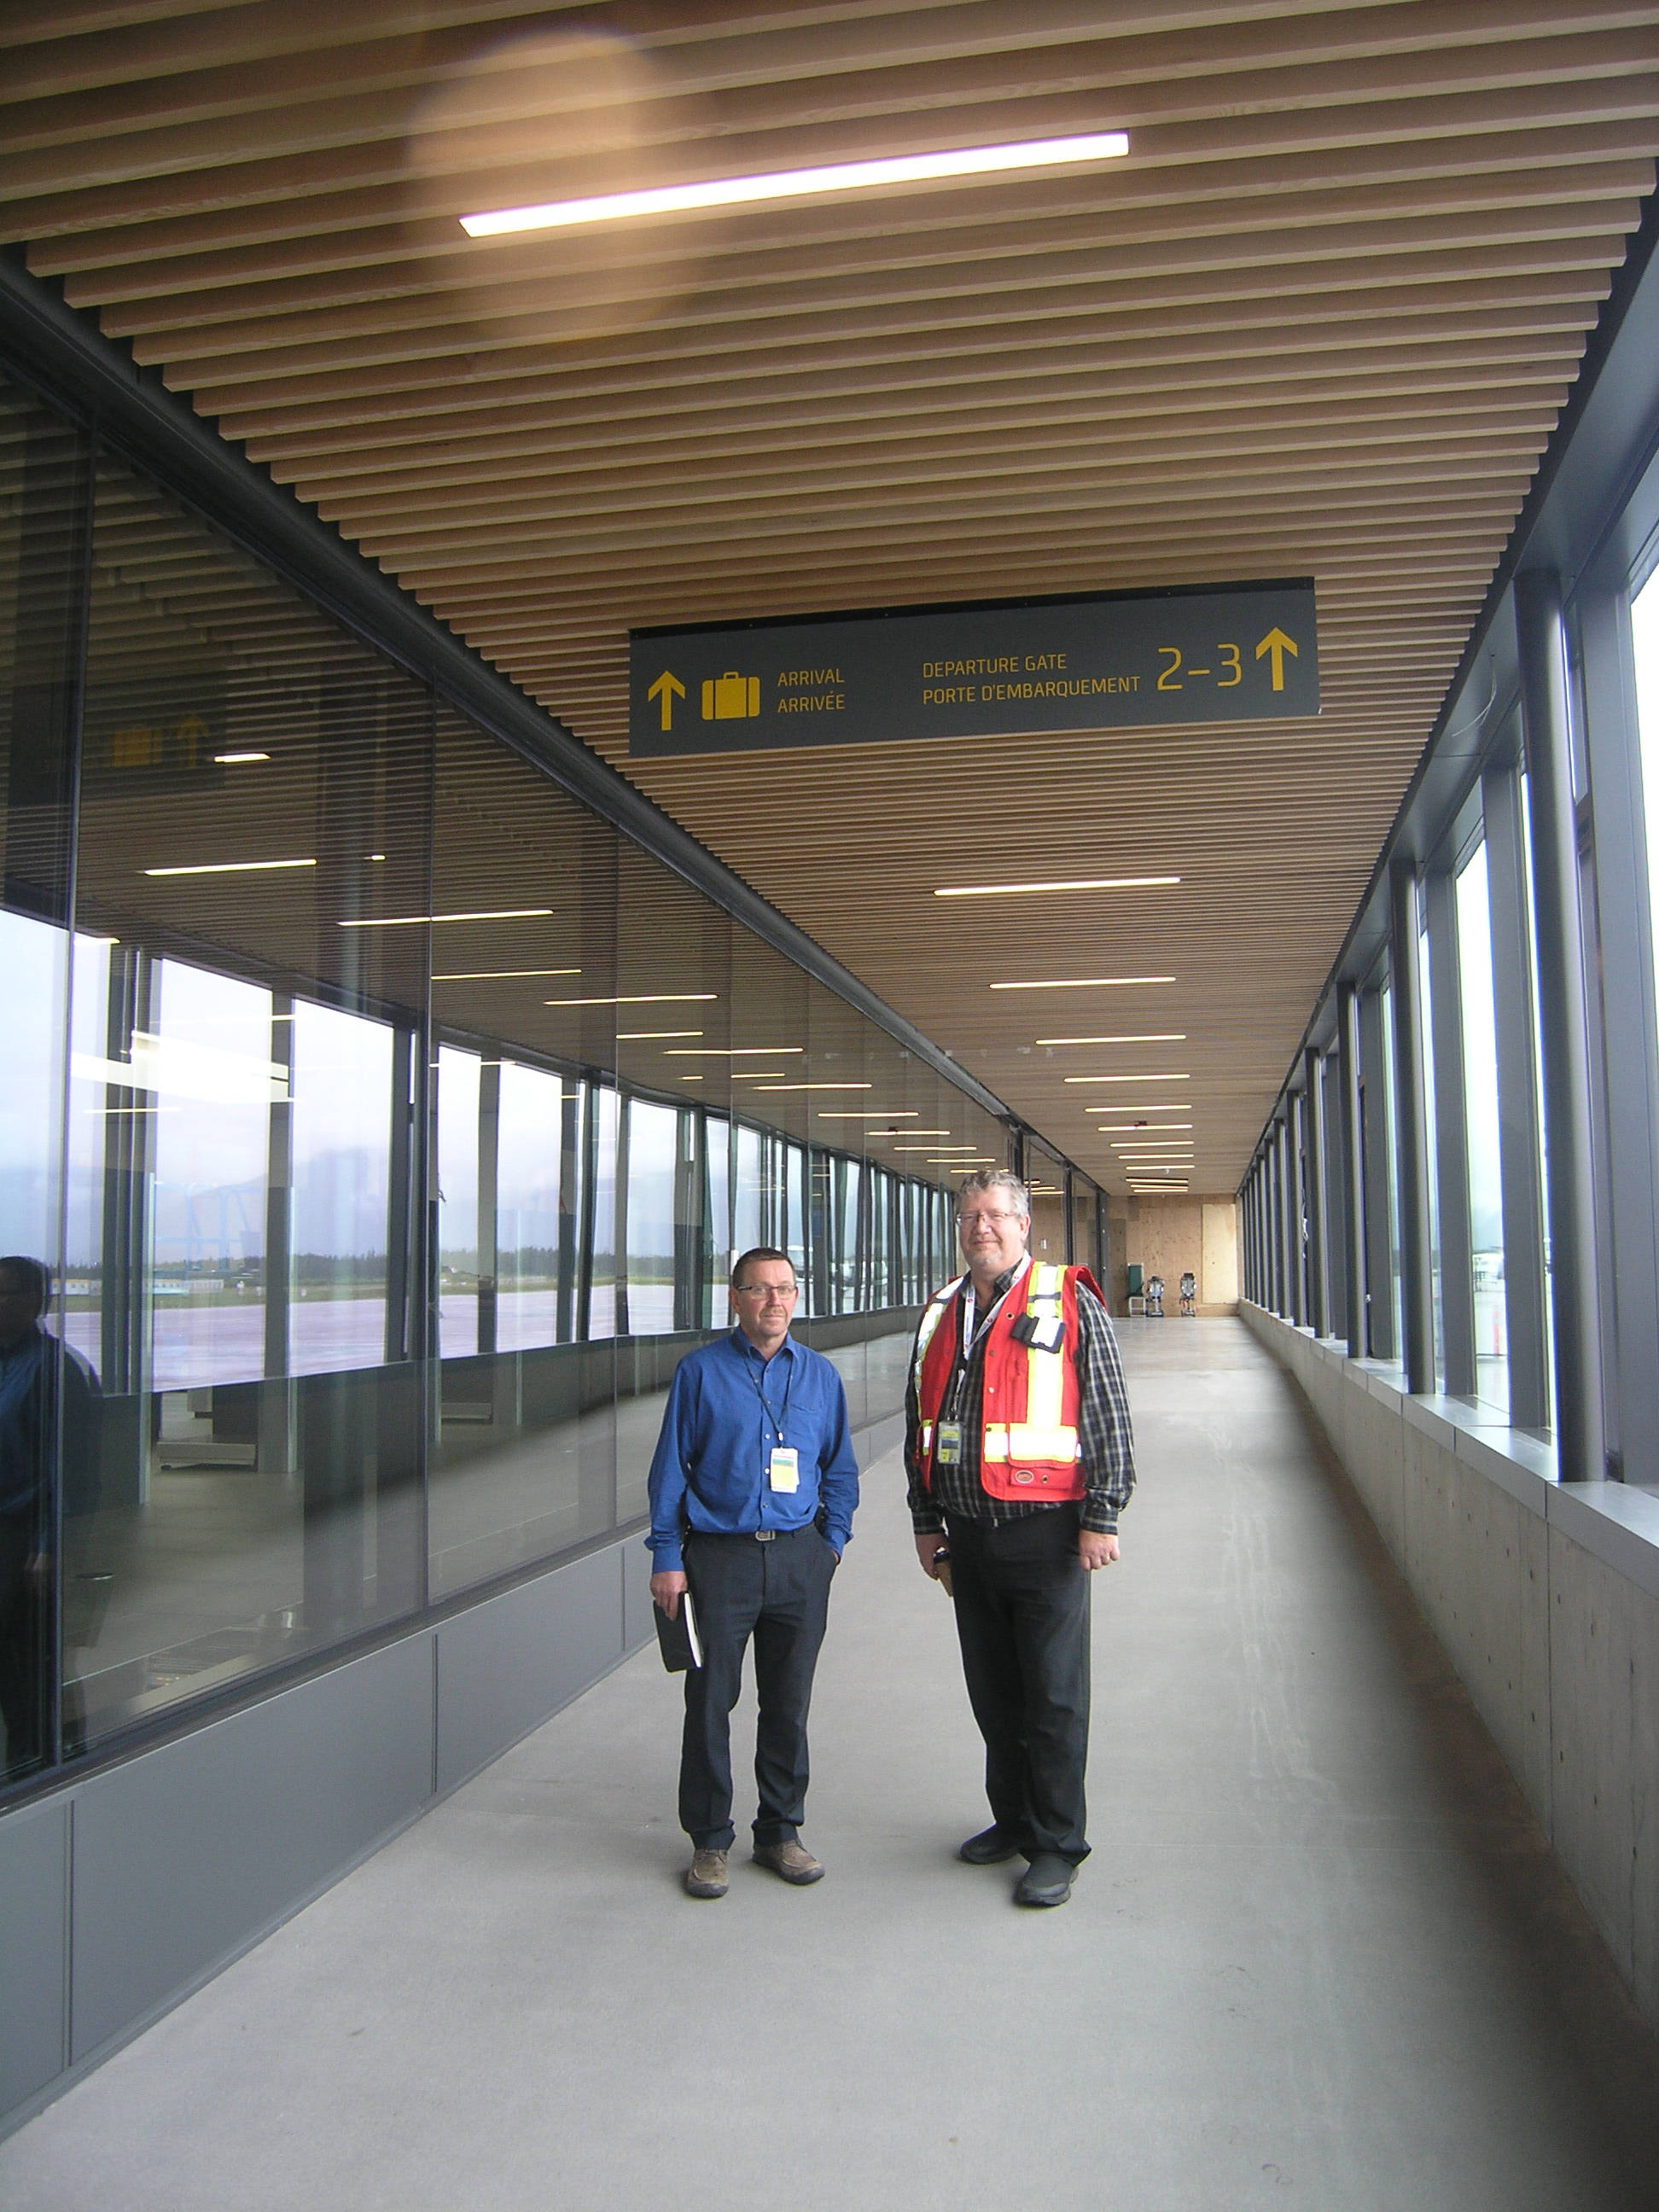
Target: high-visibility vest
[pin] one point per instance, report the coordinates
(1029, 1447)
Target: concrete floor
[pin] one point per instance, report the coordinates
(1321, 1954)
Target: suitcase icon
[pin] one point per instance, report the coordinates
(731, 697)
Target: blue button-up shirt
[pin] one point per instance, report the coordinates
(727, 1407)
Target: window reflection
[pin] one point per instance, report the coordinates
(1480, 1108)
(1644, 630)
(414, 1120)
(528, 1177)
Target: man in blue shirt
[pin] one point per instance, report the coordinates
(753, 1490)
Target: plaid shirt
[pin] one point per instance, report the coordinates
(1105, 1439)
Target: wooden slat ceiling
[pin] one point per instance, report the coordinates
(1322, 321)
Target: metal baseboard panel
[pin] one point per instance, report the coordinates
(505, 1665)
(34, 1875)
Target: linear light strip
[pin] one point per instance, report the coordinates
(484, 913)
(1127, 1078)
(645, 1037)
(498, 974)
(640, 999)
(229, 867)
(1151, 1037)
(735, 1052)
(798, 184)
(1076, 883)
(1083, 983)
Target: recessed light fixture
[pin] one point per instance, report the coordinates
(1151, 1036)
(648, 1037)
(484, 913)
(1083, 983)
(1076, 883)
(1163, 1106)
(870, 1114)
(1129, 1128)
(816, 1086)
(800, 183)
(498, 975)
(640, 999)
(237, 760)
(736, 1052)
(374, 856)
(228, 868)
(1128, 1079)
(690, 1079)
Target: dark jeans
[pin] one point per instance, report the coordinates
(23, 1623)
(779, 1593)
(1022, 1603)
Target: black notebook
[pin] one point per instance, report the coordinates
(677, 1639)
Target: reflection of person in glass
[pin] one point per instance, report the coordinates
(39, 1380)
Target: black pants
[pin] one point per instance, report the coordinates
(24, 1619)
(779, 1593)
(1022, 1603)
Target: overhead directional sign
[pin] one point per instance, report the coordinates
(1235, 653)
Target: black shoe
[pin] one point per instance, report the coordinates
(1046, 1881)
(990, 1847)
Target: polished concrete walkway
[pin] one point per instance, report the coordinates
(1321, 1955)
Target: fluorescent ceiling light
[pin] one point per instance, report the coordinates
(229, 867)
(497, 975)
(1076, 883)
(870, 1114)
(1083, 983)
(818, 1086)
(647, 1036)
(736, 1051)
(235, 760)
(1163, 1106)
(690, 1079)
(1130, 1129)
(374, 856)
(1128, 1079)
(799, 184)
(1151, 1037)
(761, 1076)
(485, 913)
(640, 999)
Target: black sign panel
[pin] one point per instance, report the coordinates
(1242, 652)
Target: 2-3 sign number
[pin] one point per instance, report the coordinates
(1232, 668)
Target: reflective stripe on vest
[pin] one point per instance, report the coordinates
(937, 1307)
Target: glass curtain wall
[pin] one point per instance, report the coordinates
(381, 1127)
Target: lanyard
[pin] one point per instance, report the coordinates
(775, 1421)
(972, 1338)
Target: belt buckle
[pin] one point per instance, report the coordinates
(765, 1535)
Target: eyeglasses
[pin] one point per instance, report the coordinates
(973, 1220)
(767, 1289)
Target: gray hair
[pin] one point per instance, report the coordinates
(989, 1179)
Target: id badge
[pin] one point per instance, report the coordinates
(948, 1453)
(783, 1469)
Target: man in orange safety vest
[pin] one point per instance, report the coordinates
(1020, 1455)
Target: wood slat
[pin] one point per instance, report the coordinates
(1322, 321)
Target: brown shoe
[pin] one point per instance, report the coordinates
(706, 1875)
(792, 1860)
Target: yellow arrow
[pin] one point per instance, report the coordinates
(1275, 642)
(668, 688)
